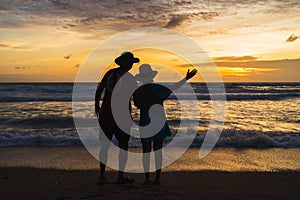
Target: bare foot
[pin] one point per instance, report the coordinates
(124, 180)
(156, 182)
(102, 180)
(147, 181)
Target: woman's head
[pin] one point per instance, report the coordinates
(146, 74)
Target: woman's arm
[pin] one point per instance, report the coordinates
(180, 83)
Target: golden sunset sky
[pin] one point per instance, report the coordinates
(46, 41)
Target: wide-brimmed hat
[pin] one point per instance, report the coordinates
(145, 73)
(126, 58)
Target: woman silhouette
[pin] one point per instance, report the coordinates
(144, 97)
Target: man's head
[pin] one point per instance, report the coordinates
(126, 60)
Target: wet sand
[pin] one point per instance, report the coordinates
(71, 173)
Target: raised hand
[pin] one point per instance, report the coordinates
(191, 74)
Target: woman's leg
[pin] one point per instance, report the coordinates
(146, 160)
(157, 147)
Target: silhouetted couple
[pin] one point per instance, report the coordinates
(144, 97)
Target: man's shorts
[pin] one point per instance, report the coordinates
(111, 129)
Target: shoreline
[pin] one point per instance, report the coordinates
(71, 173)
(219, 159)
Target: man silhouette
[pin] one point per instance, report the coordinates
(106, 119)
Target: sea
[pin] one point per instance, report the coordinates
(258, 115)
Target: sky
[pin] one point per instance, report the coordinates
(49, 40)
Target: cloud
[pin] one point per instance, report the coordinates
(292, 38)
(257, 70)
(7, 46)
(235, 58)
(12, 23)
(275, 70)
(207, 15)
(102, 14)
(20, 68)
(176, 21)
(250, 64)
(4, 45)
(261, 63)
(91, 15)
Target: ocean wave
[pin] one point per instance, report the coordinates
(228, 138)
(253, 139)
(207, 97)
(40, 138)
(238, 97)
(39, 122)
(62, 92)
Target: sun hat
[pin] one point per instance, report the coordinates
(146, 73)
(125, 58)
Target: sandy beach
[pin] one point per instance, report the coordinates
(71, 173)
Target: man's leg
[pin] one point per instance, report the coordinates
(105, 143)
(146, 161)
(157, 147)
(123, 145)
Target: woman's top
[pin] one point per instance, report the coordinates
(146, 96)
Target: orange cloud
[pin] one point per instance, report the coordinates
(243, 71)
(235, 58)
